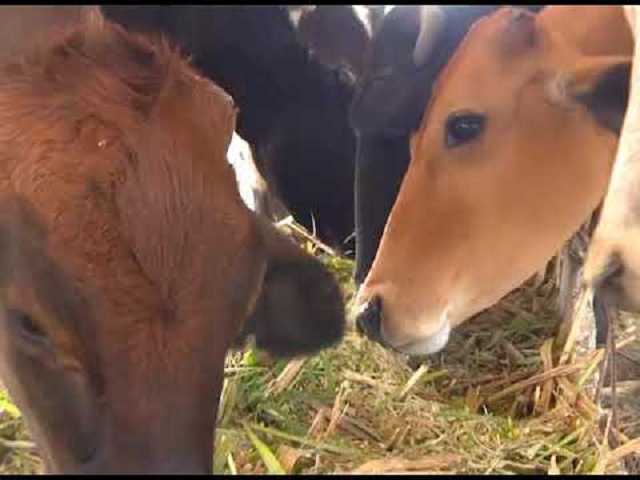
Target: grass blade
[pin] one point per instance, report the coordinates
(268, 457)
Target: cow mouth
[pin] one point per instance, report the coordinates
(428, 345)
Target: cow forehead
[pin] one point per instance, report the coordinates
(494, 65)
(119, 191)
(493, 48)
(75, 272)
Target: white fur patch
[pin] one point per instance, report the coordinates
(430, 345)
(557, 91)
(240, 158)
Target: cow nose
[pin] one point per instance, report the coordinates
(369, 319)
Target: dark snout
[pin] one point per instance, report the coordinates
(300, 309)
(369, 320)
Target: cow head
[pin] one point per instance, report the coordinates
(128, 262)
(504, 169)
(405, 57)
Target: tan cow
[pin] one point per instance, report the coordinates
(513, 154)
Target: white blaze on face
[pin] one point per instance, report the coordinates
(240, 158)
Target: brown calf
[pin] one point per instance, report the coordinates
(128, 262)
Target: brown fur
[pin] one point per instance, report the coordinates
(473, 222)
(21, 26)
(116, 148)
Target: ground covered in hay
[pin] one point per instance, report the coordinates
(500, 399)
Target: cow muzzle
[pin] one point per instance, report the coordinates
(370, 321)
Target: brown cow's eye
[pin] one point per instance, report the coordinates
(26, 325)
(462, 127)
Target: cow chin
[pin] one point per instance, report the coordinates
(426, 345)
(424, 338)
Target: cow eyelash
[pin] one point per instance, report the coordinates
(27, 326)
(462, 127)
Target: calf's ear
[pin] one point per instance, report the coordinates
(601, 85)
(300, 309)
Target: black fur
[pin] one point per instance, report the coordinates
(295, 283)
(608, 99)
(292, 110)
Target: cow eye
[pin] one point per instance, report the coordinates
(27, 326)
(462, 127)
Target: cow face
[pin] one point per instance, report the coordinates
(405, 57)
(503, 170)
(128, 260)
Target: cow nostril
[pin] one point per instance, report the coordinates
(370, 318)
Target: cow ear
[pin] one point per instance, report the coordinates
(602, 87)
(300, 309)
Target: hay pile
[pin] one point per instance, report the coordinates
(505, 396)
(502, 398)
